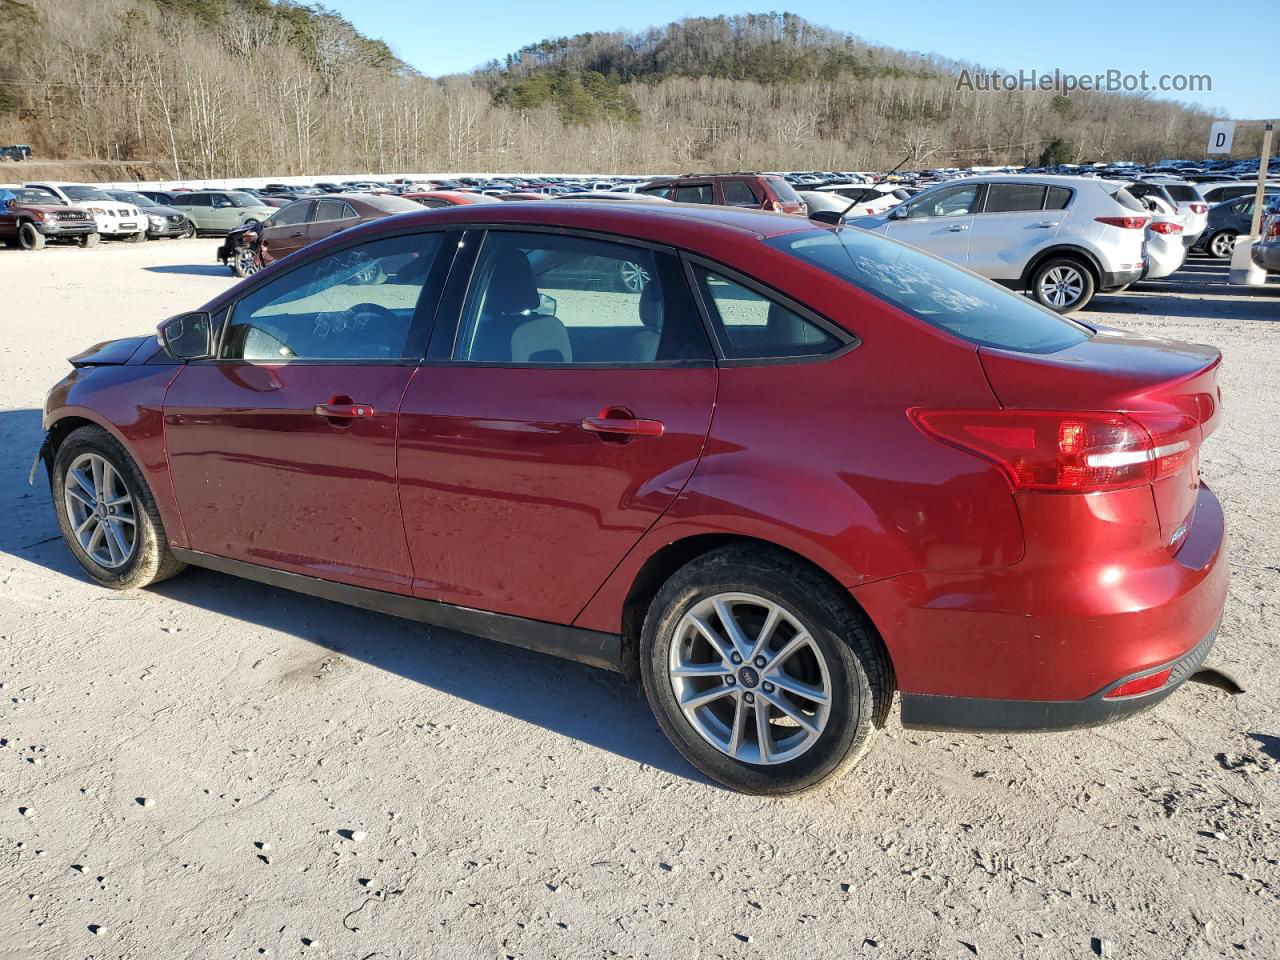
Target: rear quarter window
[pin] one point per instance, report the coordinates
(783, 190)
(1183, 193)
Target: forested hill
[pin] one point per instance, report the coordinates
(198, 88)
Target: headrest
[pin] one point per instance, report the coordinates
(651, 305)
(511, 289)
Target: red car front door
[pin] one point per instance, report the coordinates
(567, 409)
(283, 450)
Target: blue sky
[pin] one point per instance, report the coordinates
(1234, 43)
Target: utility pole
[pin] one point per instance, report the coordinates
(1256, 228)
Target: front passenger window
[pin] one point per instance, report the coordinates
(947, 202)
(355, 304)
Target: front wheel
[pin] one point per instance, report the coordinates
(136, 237)
(106, 512)
(87, 240)
(1062, 284)
(760, 670)
(245, 262)
(29, 238)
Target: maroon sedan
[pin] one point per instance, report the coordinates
(779, 470)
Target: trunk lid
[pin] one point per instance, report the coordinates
(1168, 386)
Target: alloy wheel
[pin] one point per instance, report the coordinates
(101, 511)
(749, 678)
(1062, 286)
(1222, 245)
(634, 276)
(247, 262)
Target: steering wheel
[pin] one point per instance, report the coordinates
(383, 316)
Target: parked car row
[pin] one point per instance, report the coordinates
(35, 213)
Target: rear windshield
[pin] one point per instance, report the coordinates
(933, 290)
(786, 193)
(242, 199)
(1127, 199)
(1183, 193)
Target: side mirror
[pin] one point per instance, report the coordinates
(188, 336)
(898, 213)
(826, 216)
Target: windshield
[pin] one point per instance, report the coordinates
(37, 197)
(933, 290)
(243, 199)
(85, 193)
(137, 199)
(784, 190)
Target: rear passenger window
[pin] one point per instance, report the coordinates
(541, 298)
(751, 326)
(738, 193)
(1058, 198)
(333, 210)
(695, 193)
(1014, 197)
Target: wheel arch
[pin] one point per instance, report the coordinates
(1070, 250)
(664, 562)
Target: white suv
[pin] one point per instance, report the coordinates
(113, 217)
(1061, 239)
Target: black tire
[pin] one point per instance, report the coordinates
(151, 560)
(1071, 295)
(861, 678)
(190, 232)
(87, 240)
(139, 237)
(29, 238)
(1219, 246)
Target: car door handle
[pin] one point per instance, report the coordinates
(958, 228)
(624, 426)
(295, 236)
(345, 410)
(1046, 224)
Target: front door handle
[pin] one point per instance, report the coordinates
(623, 426)
(1047, 224)
(296, 236)
(344, 410)
(958, 228)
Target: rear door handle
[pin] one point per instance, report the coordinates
(624, 426)
(344, 411)
(1046, 224)
(958, 228)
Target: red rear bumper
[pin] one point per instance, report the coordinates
(1039, 644)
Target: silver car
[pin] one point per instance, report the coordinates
(1164, 248)
(1186, 200)
(1061, 239)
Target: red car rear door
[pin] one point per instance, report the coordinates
(283, 451)
(553, 423)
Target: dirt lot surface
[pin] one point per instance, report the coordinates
(324, 782)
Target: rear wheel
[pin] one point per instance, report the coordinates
(29, 238)
(763, 675)
(1221, 244)
(1062, 284)
(106, 512)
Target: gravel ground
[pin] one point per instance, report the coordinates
(218, 769)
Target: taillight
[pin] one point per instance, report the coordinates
(1129, 223)
(1068, 452)
(1152, 681)
(1199, 208)
(1273, 229)
(1166, 226)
